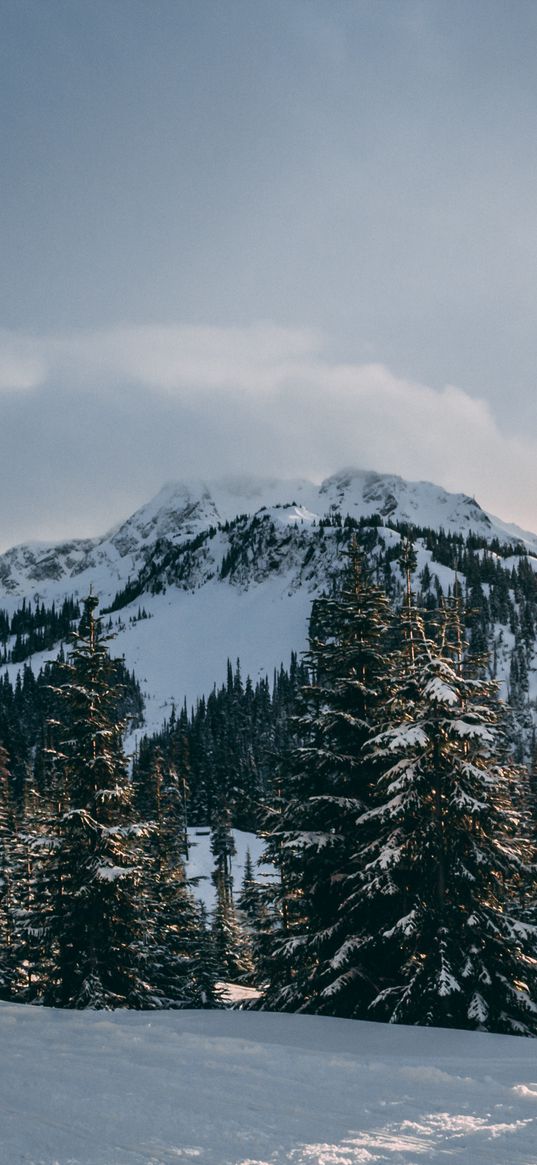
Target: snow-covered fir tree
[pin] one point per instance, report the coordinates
(33, 898)
(441, 856)
(327, 786)
(95, 928)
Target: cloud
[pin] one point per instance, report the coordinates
(91, 423)
(21, 368)
(166, 358)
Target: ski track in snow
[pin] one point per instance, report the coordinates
(241, 1088)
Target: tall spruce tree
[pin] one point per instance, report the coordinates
(441, 855)
(96, 928)
(248, 900)
(230, 941)
(328, 785)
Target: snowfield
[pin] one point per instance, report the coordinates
(243, 1088)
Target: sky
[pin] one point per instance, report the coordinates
(264, 236)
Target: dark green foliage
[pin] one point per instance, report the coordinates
(206, 965)
(406, 864)
(95, 868)
(29, 708)
(225, 750)
(177, 936)
(441, 856)
(249, 900)
(329, 784)
(36, 628)
(95, 910)
(231, 947)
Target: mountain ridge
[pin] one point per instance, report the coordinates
(229, 569)
(182, 510)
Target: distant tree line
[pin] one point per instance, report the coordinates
(33, 628)
(227, 747)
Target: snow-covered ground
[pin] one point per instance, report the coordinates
(241, 1088)
(181, 651)
(201, 862)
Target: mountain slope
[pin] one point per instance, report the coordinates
(229, 569)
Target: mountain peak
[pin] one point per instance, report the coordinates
(184, 510)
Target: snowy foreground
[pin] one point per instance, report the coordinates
(225, 1088)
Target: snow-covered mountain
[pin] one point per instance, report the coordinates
(229, 568)
(183, 510)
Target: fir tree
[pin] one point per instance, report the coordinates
(206, 970)
(32, 899)
(441, 858)
(232, 953)
(248, 901)
(328, 786)
(223, 849)
(96, 925)
(230, 942)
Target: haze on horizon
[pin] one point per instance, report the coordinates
(273, 239)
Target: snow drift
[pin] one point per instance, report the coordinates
(242, 1088)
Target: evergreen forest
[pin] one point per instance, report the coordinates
(392, 786)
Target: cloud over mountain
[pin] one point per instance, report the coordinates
(119, 410)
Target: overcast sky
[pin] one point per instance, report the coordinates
(269, 236)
